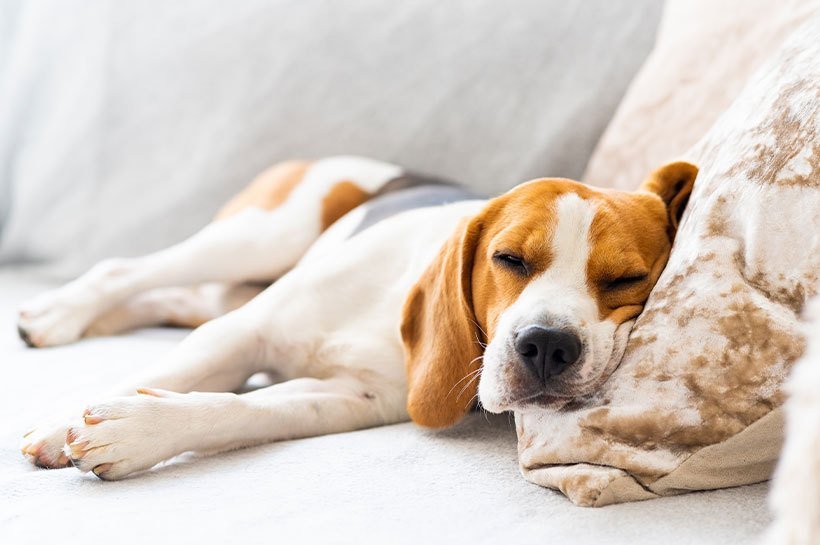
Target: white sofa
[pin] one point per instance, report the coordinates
(397, 484)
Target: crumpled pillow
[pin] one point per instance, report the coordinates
(695, 402)
(705, 52)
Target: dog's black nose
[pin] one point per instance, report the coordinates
(547, 351)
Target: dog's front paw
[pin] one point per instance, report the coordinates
(128, 434)
(43, 447)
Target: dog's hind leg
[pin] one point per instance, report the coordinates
(257, 237)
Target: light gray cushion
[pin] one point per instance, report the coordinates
(124, 125)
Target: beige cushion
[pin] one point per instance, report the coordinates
(705, 53)
(691, 405)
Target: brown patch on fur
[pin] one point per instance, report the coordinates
(268, 190)
(633, 235)
(673, 183)
(521, 223)
(341, 199)
(439, 334)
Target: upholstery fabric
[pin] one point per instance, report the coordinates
(125, 125)
(394, 484)
(705, 53)
(691, 404)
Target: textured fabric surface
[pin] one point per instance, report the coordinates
(706, 51)
(397, 484)
(709, 353)
(124, 125)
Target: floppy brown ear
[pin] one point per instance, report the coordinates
(438, 329)
(673, 183)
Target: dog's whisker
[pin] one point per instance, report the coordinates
(465, 377)
(469, 382)
(477, 358)
(478, 341)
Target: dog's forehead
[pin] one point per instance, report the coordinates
(563, 227)
(569, 241)
(539, 204)
(538, 211)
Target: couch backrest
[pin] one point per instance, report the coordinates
(124, 125)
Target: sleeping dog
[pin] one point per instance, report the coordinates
(395, 296)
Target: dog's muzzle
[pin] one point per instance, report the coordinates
(547, 351)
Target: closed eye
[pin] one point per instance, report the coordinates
(627, 281)
(512, 262)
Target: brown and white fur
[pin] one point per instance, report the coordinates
(365, 328)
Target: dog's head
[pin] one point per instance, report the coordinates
(544, 283)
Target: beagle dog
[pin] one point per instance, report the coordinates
(372, 295)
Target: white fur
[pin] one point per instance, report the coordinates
(795, 496)
(369, 174)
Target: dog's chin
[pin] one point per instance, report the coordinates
(526, 401)
(512, 395)
(506, 386)
(541, 402)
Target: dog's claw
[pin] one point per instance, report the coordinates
(154, 392)
(91, 419)
(25, 337)
(32, 449)
(100, 469)
(75, 449)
